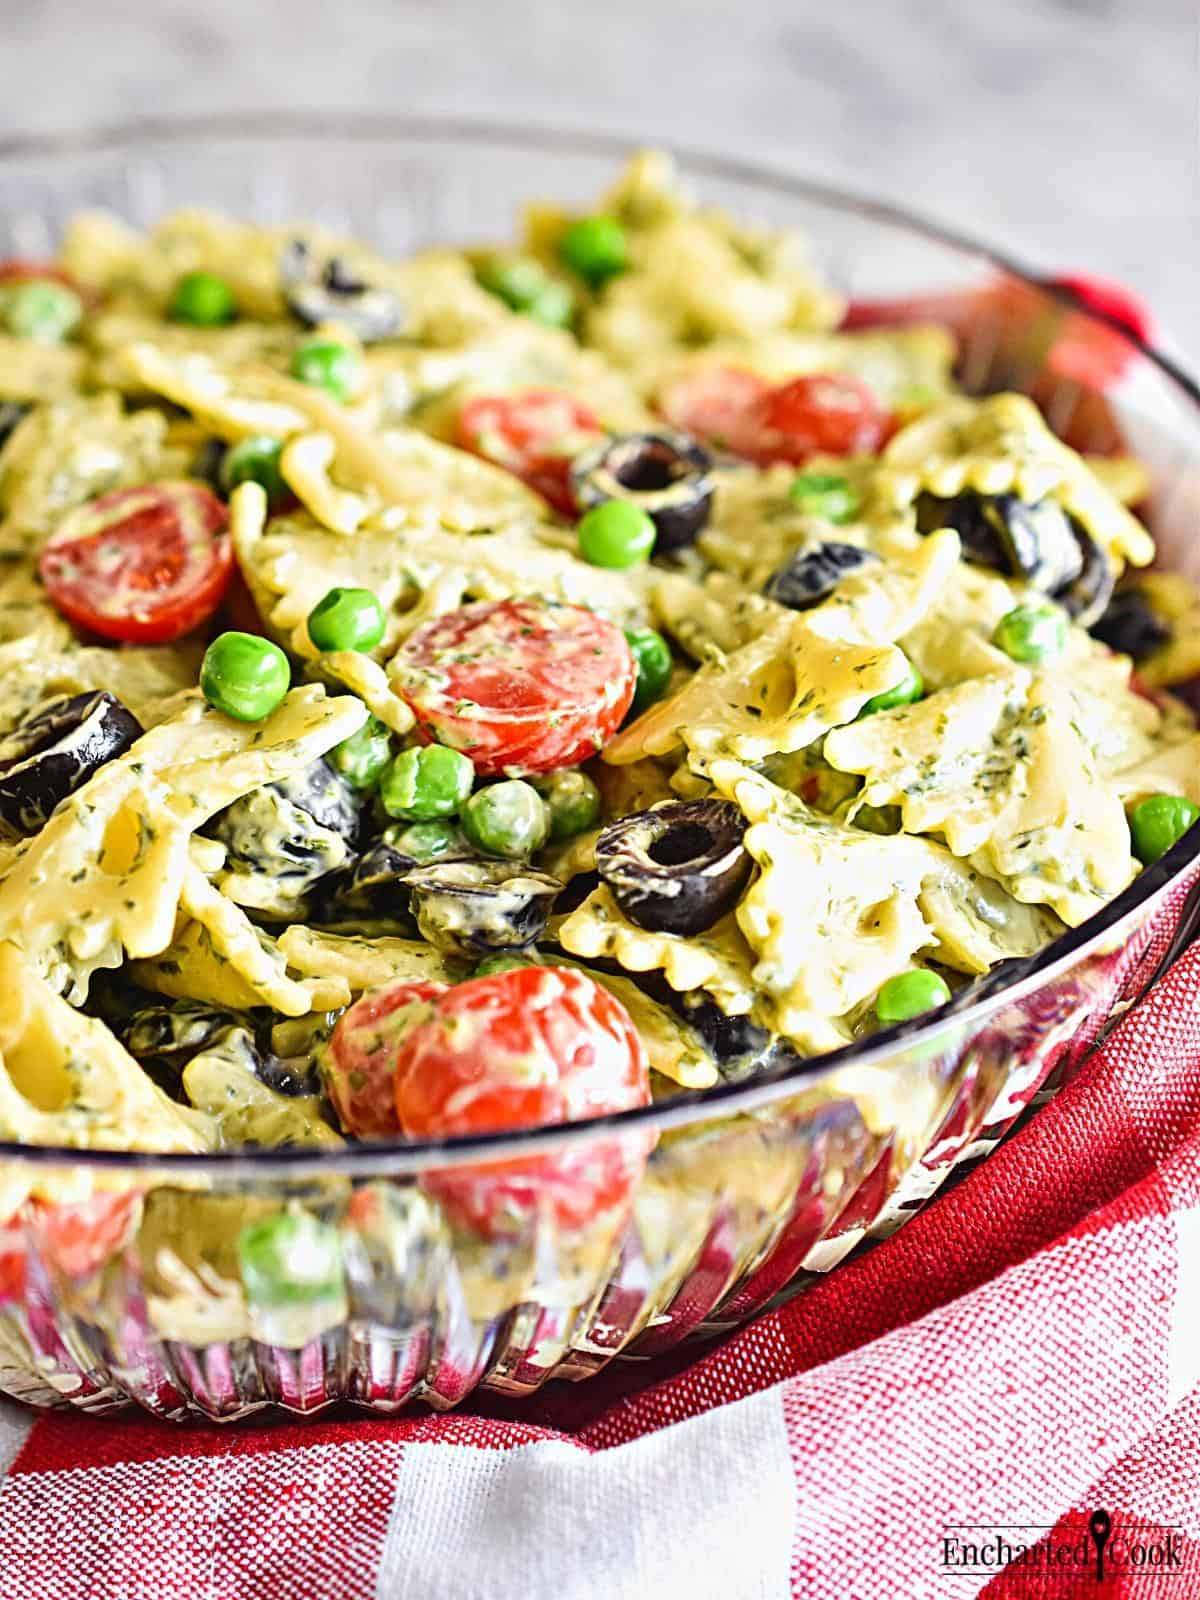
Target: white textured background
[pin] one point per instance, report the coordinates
(1065, 130)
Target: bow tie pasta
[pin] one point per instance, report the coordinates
(603, 621)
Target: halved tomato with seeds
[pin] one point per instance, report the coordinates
(535, 434)
(359, 1061)
(521, 1049)
(819, 413)
(73, 1239)
(518, 685)
(143, 565)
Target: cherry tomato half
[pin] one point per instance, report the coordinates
(74, 1239)
(142, 565)
(712, 403)
(518, 685)
(534, 434)
(820, 413)
(360, 1058)
(519, 1049)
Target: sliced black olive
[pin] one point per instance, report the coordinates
(331, 291)
(1040, 543)
(164, 1038)
(809, 576)
(667, 474)
(1131, 625)
(373, 885)
(55, 749)
(295, 832)
(327, 797)
(11, 412)
(176, 1028)
(1085, 599)
(286, 1077)
(678, 867)
(472, 907)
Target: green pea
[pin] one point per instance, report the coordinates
(1032, 633)
(615, 534)
(652, 656)
(825, 494)
(573, 801)
(910, 994)
(244, 676)
(347, 619)
(911, 687)
(324, 364)
(596, 248)
(204, 300)
(517, 280)
(428, 781)
(506, 962)
(426, 841)
(256, 460)
(362, 757)
(290, 1259)
(506, 819)
(1159, 822)
(40, 310)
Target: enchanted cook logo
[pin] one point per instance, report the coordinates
(1105, 1544)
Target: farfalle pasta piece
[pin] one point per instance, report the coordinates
(38, 666)
(232, 403)
(859, 921)
(718, 961)
(353, 670)
(363, 963)
(974, 920)
(804, 674)
(415, 573)
(1001, 445)
(106, 875)
(1001, 768)
(35, 369)
(65, 1079)
(712, 619)
(305, 464)
(63, 454)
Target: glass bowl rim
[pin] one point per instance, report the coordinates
(403, 1157)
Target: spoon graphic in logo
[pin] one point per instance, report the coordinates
(1100, 1528)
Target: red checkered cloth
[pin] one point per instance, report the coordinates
(1022, 1355)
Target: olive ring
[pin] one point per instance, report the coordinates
(678, 867)
(666, 474)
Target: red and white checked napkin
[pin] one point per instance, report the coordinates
(1025, 1351)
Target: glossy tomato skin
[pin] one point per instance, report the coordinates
(821, 413)
(535, 434)
(359, 1061)
(518, 685)
(530, 1046)
(144, 565)
(73, 1239)
(712, 403)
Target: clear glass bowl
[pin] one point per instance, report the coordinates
(749, 1190)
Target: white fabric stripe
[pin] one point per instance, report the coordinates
(15, 1423)
(702, 1508)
